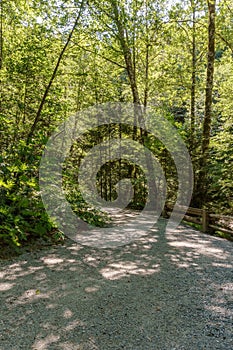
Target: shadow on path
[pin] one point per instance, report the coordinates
(163, 291)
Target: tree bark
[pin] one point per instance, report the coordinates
(123, 38)
(202, 183)
(193, 87)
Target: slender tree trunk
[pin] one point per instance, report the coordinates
(193, 87)
(25, 95)
(109, 163)
(38, 115)
(123, 38)
(202, 183)
(146, 89)
(131, 71)
(120, 159)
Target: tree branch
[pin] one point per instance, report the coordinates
(38, 115)
(104, 57)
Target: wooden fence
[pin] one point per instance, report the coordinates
(208, 222)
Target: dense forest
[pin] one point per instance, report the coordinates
(58, 58)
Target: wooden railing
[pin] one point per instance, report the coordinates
(208, 222)
(221, 223)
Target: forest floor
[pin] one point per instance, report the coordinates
(164, 291)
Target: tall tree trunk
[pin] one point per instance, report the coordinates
(146, 88)
(131, 72)
(130, 66)
(202, 183)
(193, 87)
(38, 115)
(129, 57)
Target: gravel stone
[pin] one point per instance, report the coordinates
(162, 292)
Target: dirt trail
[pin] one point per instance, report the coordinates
(163, 291)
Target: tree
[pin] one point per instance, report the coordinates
(202, 180)
(38, 114)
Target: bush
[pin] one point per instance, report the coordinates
(22, 215)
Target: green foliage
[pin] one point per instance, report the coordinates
(221, 170)
(158, 36)
(84, 211)
(22, 214)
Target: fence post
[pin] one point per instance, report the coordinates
(205, 220)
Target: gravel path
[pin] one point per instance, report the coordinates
(162, 292)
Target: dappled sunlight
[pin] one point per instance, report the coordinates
(18, 270)
(222, 298)
(189, 247)
(52, 260)
(40, 276)
(13, 269)
(223, 265)
(67, 313)
(73, 325)
(6, 286)
(88, 345)
(31, 295)
(148, 239)
(89, 296)
(220, 308)
(202, 248)
(43, 344)
(92, 289)
(91, 260)
(183, 261)
(121, 269)
(75, 249)
(217, 309)
(51, 306)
